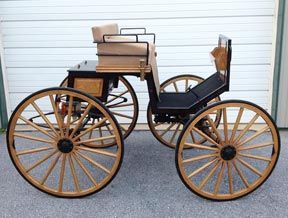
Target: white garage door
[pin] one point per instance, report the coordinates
(42, 39)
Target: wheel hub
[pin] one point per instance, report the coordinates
(65, 145)
(228, 152)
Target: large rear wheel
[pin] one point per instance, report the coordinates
(237, 157)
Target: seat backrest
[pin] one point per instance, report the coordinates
(99, 31)
(221, 57)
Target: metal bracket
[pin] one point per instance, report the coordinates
(142, 69)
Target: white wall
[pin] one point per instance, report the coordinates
(43, 38)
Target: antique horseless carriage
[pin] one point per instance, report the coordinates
(68, 141)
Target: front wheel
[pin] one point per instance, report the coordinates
(238, 156)
(46, 140)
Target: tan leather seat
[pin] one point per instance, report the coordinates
(110, 51)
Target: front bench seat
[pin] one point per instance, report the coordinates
(115, 52)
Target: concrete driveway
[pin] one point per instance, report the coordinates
(147, 185)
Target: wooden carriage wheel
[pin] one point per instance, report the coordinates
(45, 142)
(123, 104)
(236, 159)
(168, 133)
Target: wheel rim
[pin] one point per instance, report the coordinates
(166, 133)
(235, 160)
(52, 156)
(123, 104)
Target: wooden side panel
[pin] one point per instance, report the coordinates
(92, 86)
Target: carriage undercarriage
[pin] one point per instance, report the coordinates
(77, 143)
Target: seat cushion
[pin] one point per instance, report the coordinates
(130, 49)
(118, 49)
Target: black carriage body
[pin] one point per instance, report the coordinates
(166, 104)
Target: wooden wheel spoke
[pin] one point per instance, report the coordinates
(186, 85)
(243, 178)
(175, 132)
(91, 132)
(208, 176)
(115, 97)
(33, 138)
(225, 123)
(166, 130)
(212, 124)
(50, 169)
(85, 170)
(201, 147)
(219, 179)
(74, 175)
(201, 157)
(88, 108)
(95, 139)
(36, 127)
(175, 87)
(247, 127)
(108, 128)
(74, 121)
(69, 116)
(94, 163)
(253, 169)
(122, 115)
(230, 178)
(259, 132)
(256, 157)
(39, 111)
(192, 137)
(90, 129)
(256, 146)
(35, 150)
(203, 167)
(206, 137)
(62, 173)
(58, 118)
(98, 151)
(240, 113)
(101, 135)
(41, 161)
